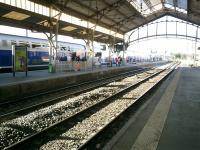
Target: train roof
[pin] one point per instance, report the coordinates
(32, 39)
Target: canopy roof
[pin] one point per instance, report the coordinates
(113, 18)
(125, 15)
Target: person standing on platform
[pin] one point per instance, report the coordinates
(78, 66)
(119, 61)
(116, 61)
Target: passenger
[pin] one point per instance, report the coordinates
(119, 61)
(77, 66)
(116, 61)
(77, 58)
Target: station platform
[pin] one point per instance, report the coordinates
(168, 120)
(41, 81)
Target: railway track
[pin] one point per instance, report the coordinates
(68, 122)
(96, 140)
(37, 119)
(13, 109)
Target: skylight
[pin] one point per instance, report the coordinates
(179, 5)
(147, 7)
(16, 15)
(43, 10)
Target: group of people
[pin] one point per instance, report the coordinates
(118, 61)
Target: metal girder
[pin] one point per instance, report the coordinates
(105, 10)
(117, 7)
(168, 36)
(111, 7)
(160, 15)
(183, 17)
(175, 34)
(74, 13)
(148, 3)
(127, 3)
(144, 20)
(118, 12)
(33, 23)
(95, 12)
(175, 3)
(125, 20)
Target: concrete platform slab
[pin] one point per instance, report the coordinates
(181, 126)
(41, 81)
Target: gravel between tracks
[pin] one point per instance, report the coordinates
(82, 131)
(14, 130)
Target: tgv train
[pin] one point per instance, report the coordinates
(38, 52)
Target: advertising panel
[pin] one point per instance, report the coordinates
(20, 59)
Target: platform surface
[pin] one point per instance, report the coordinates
(41, 81)
(169, 120)
(7, 78)
(182, 127)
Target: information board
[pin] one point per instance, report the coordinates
(20, 59)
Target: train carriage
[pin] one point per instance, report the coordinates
(38, 51)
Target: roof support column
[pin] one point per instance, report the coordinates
(88, 54)
(53, 38)
(148, 30)
(195, 47)
(93, 32)
(90, 46)
(156, 29)
(111, 49)
(186, 30)
(176, 29)
(124, 49)
(166, 25)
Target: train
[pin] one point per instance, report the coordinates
(38, 52)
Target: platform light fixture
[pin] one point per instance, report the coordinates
(16, 15)
(69, 28)
(83, 32)
(97, 35)
(105, 37)
(46, 23)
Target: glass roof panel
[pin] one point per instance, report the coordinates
(182, 4)
(147, 7)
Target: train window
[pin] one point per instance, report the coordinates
(68, 48)
(4, 43)
(22, 43)
(13, 42)
(63, 48)
(72, 49)
(35, 45)
(44, 45)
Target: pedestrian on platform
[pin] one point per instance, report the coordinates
(116, 61)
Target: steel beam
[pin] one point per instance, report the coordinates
(53, 39)
(97, 13)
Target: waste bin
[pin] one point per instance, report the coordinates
(50, 68)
